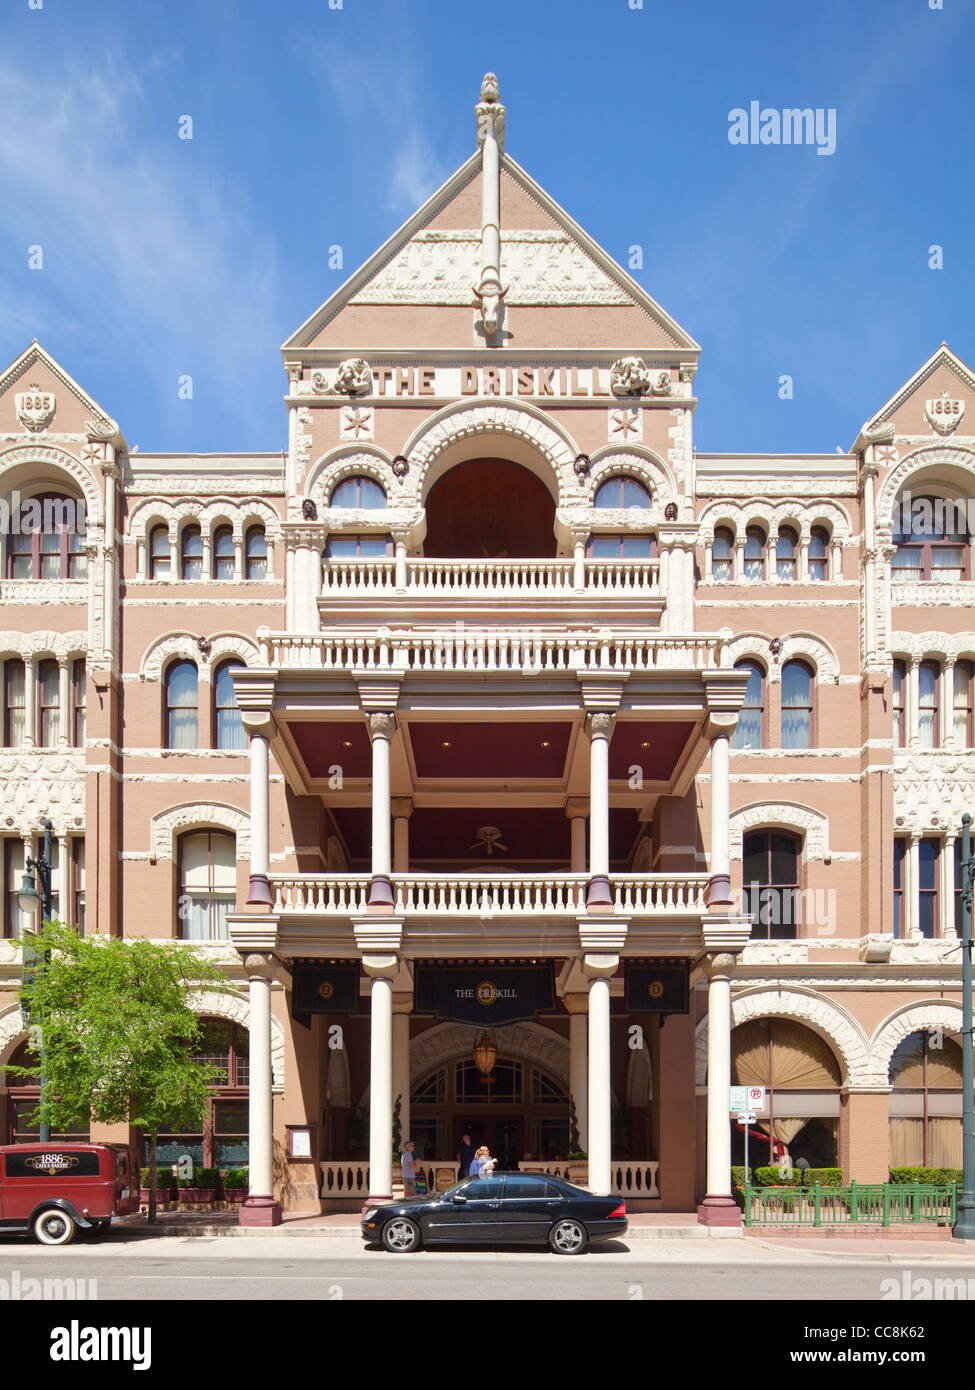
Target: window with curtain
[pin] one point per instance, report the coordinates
(929, 858)
(15, 919)
(182, 706)
(223, 553)
(54, 547)
(191, 553)
(797, 706)
(899, 706)
(622, 547)
(786, 554)
(900, 855)
(359, 491)
(160, 553)
(929, 681)
(926, 1101)
(754, 553)
(802, 1078)
(931, 540)
(255, 553)
(48, 704)
(818, 553)
(227, 727)
(357, 547)
(208, 884)
(770, 880)
(78, 883)
(14, 704)
(620, 492)
(750, 729)
(79, 685)
(723, 556)
(962, 704)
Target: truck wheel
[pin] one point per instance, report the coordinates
(54, 1227)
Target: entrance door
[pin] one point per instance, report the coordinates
(503, 1134)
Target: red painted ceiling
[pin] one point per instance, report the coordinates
(322, 745)
(498, 751)
(666, 739)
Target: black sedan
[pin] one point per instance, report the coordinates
(511, 1209)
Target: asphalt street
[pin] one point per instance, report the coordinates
(341, 1268)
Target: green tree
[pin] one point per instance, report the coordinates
(119, 1033)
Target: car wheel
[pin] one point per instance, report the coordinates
(401, 1235)
(54, 1227)
(568, 1237)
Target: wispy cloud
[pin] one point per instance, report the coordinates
(145, 249)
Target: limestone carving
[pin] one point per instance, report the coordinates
(787, 815)
(489, 113)
(923, 1016)
(353, 377)
(35, 407)
(104, 430)
(236, 1008)
(630, 376)
(463, 419)
(934, 455)
(38, 455)
(40, 782)
(186, 646)
(168, 825)
(944, 414)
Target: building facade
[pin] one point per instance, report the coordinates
(524, 769)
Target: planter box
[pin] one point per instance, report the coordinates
(163, 1194)
(199, 1195)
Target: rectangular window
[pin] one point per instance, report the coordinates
(15, 705)
(899, 854)
(13, 855)
(78, 883)
(78, 697)
(48, 704)
(959, 889)
(928, 862)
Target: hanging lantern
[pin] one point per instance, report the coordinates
(485, 1054)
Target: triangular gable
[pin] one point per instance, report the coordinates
(547, 260)
(944, 367)
(35, 357)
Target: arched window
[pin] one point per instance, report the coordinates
(802, 1079)
(79, 685)
(46, 538)
(357, 547)
(723, 556)
(770, 880)
(23, 1098)
(620, 492)
(797, 710)
(255, 553)
(932, 540)
(818, 553)
(359, 491)
(786, 557)
(228, 731)
(181, 706)
(207, 884)
(926, 1101)
(929, 681)
(962, 704)
(48, 704)
(900, 711)
(754, 553)
(750, 730)
(191, 553)
(14, 704)
(160, 553)
(223, 552)
(222, 1143)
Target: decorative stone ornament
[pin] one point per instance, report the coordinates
(35, 408)
(400, 466)
(629, 376)
(944, 414)
(670, 511)
(102, 431)
(309, 512)
(353, 377)
(581, 465)
(489, 113)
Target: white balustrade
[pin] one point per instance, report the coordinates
(488, 895)
(631, 1177)
(501, 578)
(345, 1179)
(527, 650)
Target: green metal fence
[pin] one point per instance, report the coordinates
(868, 1204)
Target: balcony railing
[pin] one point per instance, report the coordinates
(493, 578)
(525, 650)
(488, 895)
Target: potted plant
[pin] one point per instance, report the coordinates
(201, 1188)
(235, 1185)
(165, 1185)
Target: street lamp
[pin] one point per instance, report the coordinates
(39, 871)
(964, 1228)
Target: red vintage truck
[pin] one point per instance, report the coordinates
(57, 1190)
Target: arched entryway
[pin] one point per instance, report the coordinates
(802, 1078)
(490, 509)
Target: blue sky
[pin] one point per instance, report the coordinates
(314, 126)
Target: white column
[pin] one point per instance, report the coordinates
(912, 865)
(258, 726)
(577, 830)
(600, 732)
(946, 886)
(401, 576)
(578, 1008)
(30, 702)
(381, 1088)
(913, 703)
(402, 809)
(402, 1006)
(260, 1208)
(579, 563)
(381, 729)
(719, 885)
(947, 730)
(64, 703)
(718, 1207)
(600, 969)
(804, 560)
(739, 560)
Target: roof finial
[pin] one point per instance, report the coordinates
(489, 293)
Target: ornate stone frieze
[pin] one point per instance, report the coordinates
(35, 408)
(353, 377)
(186, 645)
(931, 594)
(165, 827)
(787, 815)
(39, 782)
(771, 515)
(790, 486)
(798, 645)
(30, 645)
(945, 646)
(932, 790)
(943, 413)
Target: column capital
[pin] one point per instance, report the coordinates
(381, 725)
(601, 724)
(258, 966)
(576, 1003)
(380, 965)
(401, 807)
(601, 966)
(719, 966)
(577, 807)
(256, 722)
